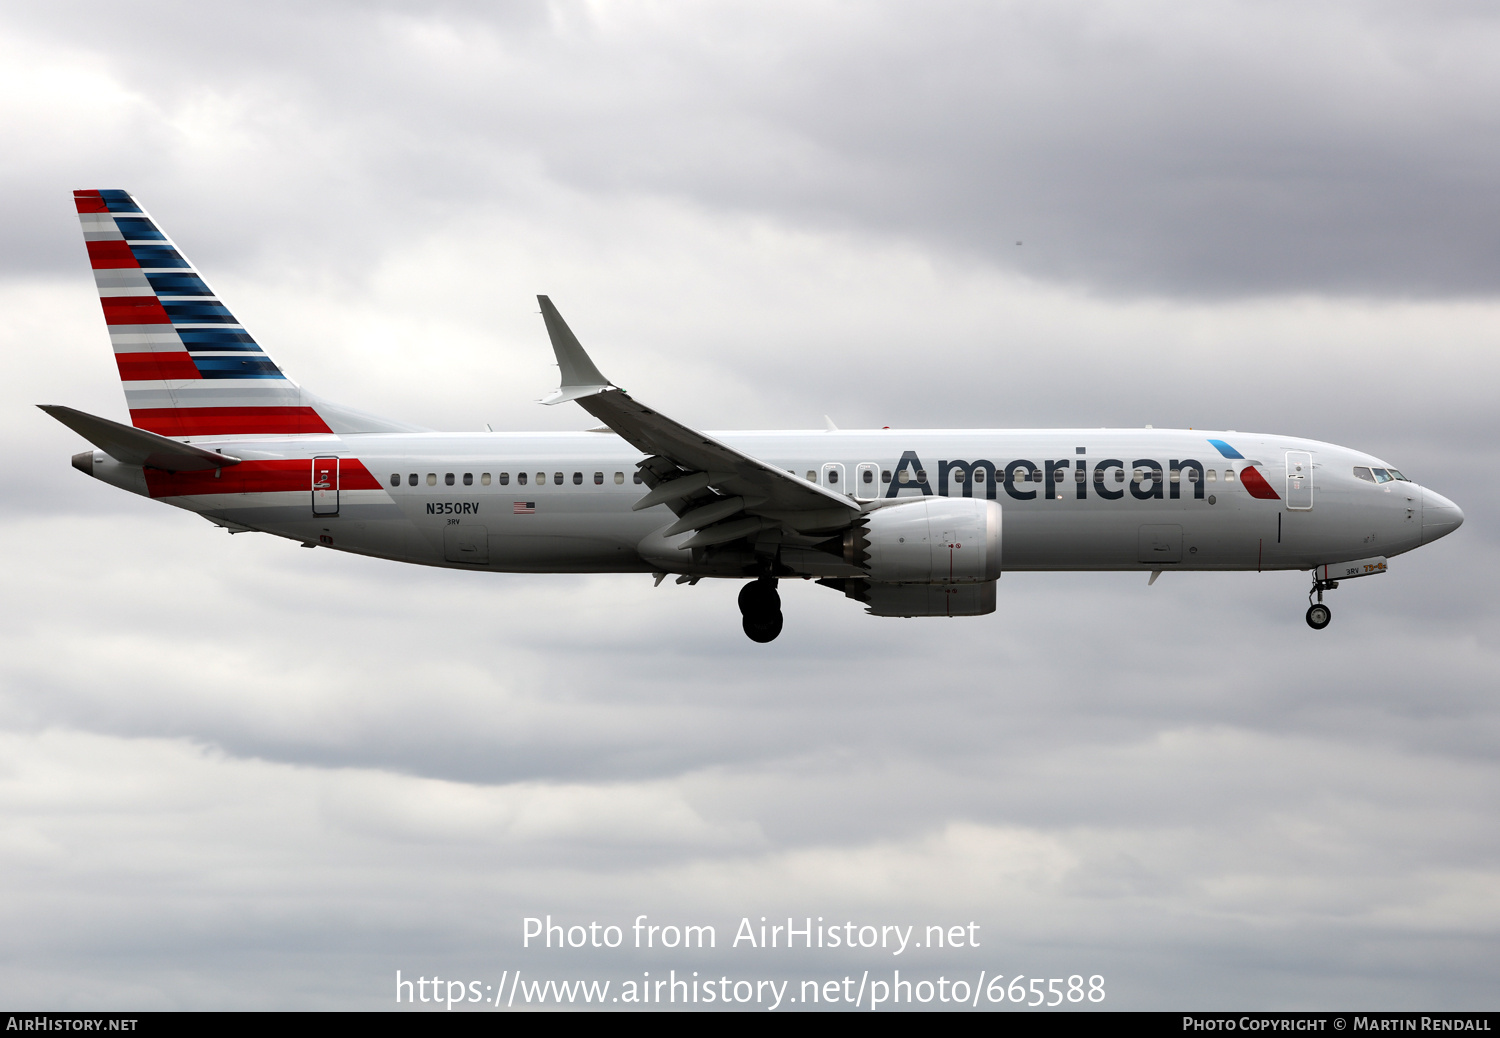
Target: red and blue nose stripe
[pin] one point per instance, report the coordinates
(1250, 478)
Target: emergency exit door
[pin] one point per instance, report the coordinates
(325, 486)
(1299, 483)
(833, 478)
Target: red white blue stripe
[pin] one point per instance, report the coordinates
(189, 368)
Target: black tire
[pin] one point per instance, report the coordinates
(759, 598)
(1318, 616)
(763, 628)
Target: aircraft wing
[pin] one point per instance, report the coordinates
(723, 493)
(132, 446)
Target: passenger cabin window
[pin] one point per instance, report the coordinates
(636, 477)
(557, 478)
(578, 479)
(1229, 475)
(619, 478)
(1138, 476)
(812, 477)
(921, 475)
(541, 478)
(1057, 475)
(448, 478)
(395, 479)
(432, 479)
(1212, 477)
(468, 479)
(904, 476)
(598, 479)
(979, 475)
(520, 479)
(1381, 476)
(1176, 476)
(484, 479)
(1078, 475)
(411, 480)
(504, 478)
(1361, 472)
(885, 475)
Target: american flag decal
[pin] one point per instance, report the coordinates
(523, 508)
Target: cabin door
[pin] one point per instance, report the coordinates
(1299, 484)
(325, 486)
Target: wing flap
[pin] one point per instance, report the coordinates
(738, 473)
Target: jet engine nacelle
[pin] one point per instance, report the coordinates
(937, 540)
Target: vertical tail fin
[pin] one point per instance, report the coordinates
(189, 368)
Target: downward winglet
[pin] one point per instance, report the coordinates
(579, 376)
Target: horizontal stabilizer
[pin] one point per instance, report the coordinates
(131, 446)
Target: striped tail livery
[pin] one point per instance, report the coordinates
(188, 366)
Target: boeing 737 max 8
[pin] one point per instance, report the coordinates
(909, 523)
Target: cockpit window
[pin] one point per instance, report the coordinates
(1363, 473)
(1397, 475)
(1382, 476)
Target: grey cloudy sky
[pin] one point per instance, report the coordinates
(238, 774)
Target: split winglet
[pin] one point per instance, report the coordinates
(580, 378)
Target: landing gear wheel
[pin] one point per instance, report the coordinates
(759, 596)
(1318, 616)
(763, 627)
(761, 607)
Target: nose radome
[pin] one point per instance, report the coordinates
(1440, 517)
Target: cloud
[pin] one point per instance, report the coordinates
(1339, 147)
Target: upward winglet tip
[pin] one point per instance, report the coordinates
(580, 378)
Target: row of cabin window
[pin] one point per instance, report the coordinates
(503, 478)
(1035, 476)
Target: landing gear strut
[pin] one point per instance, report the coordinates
(1318, 614)
(760, 605)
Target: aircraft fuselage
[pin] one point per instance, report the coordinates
(561, 502)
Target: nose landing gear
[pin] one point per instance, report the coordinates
(760, 605)
(1318, 614)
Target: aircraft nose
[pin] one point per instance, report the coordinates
(1440, 517)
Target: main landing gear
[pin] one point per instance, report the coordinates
(761, 607)
(1318, 614)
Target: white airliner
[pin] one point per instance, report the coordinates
(909, 523)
